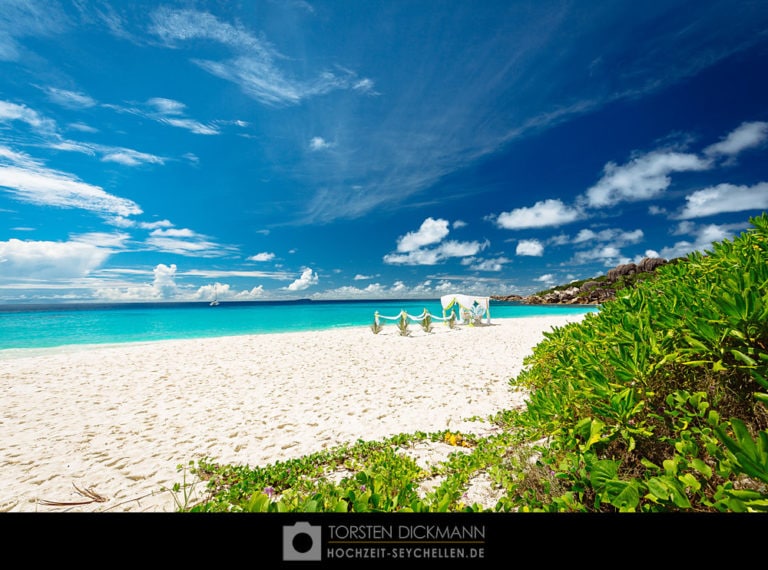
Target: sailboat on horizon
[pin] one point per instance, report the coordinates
(215, 296)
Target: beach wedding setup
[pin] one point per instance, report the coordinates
(471, 310)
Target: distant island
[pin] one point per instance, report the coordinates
(596, 290)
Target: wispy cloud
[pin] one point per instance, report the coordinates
(222, 274)
(31, 182)
(130, 157)
(168, 112)
(253, 66)
(14, 112)
(24, 18)
(171, 112)
(183, 241)
(47, 130)
(82, 127)
(70, 99)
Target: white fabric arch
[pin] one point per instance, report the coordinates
(475, 307)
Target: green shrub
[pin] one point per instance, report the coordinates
(631, 398)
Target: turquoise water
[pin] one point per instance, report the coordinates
(59, 325)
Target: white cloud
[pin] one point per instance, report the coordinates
(725, 198)
(642, 178)
(496, 264)
(618, 237)
(542, 214)
(437, 254)
(192, 126)
(254, 293)
(167, 106)
(461, 248)
(13, 112)
(365, 85)
(83, 128)
(531, 247)
(112, 241)
(70, 99)
(459, 224)
(307, 279)
(684, 228)
(184, 241)
(171, 112)
(431, 231)
(49, 260)
(165, 280)
(607, 255)
(747, 135)
(130, 157)
(417, 257)
(122, 222)
(38, 185)
(372, 291)
(546, 278)
(704, 236)
(222, 273)
(360, 277)
(318, 143)
(263, 256)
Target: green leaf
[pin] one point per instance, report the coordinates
(701, 467)
(689, 480)
(743, 357)
(670, 466)
(601, 472)
(668, 489)
(625, 495)
(649, 464)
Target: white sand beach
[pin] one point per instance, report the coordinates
(116, 420)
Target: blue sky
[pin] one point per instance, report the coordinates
(341, 149)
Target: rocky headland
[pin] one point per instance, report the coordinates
(592, 291)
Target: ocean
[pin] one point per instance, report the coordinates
(57, 325)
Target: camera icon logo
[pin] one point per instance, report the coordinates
(301, 541)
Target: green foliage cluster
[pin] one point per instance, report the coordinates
(655, 403)
(376, 477)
